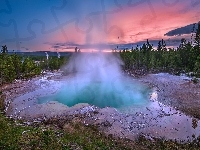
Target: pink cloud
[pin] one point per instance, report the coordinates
(131, 24)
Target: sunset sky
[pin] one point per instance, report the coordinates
(61, 25)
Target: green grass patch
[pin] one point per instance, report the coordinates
(14, 135)
(2, 104)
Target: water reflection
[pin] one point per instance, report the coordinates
(163, 121)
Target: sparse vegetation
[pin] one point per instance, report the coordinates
(17, 67)
(16, 135)
(2, 104)
(195, 80)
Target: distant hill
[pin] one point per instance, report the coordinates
(191, 28)
(41, 53)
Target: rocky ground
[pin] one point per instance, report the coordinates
(176, 91)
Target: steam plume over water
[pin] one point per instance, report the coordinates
(97, 79)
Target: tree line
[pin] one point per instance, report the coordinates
(13, 66)
(185, 58)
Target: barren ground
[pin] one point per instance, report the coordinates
(175, 91)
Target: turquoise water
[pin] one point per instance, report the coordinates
(115, 94)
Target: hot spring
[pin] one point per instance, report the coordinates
(130, 107)
(97, 79)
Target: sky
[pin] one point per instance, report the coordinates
(62, 25)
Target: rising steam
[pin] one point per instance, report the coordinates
(97, 79)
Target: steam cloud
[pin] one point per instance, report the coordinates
(97, 79)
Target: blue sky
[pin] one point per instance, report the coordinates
(60, 25)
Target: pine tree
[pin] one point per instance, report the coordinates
(4, 49)
(197, 37)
